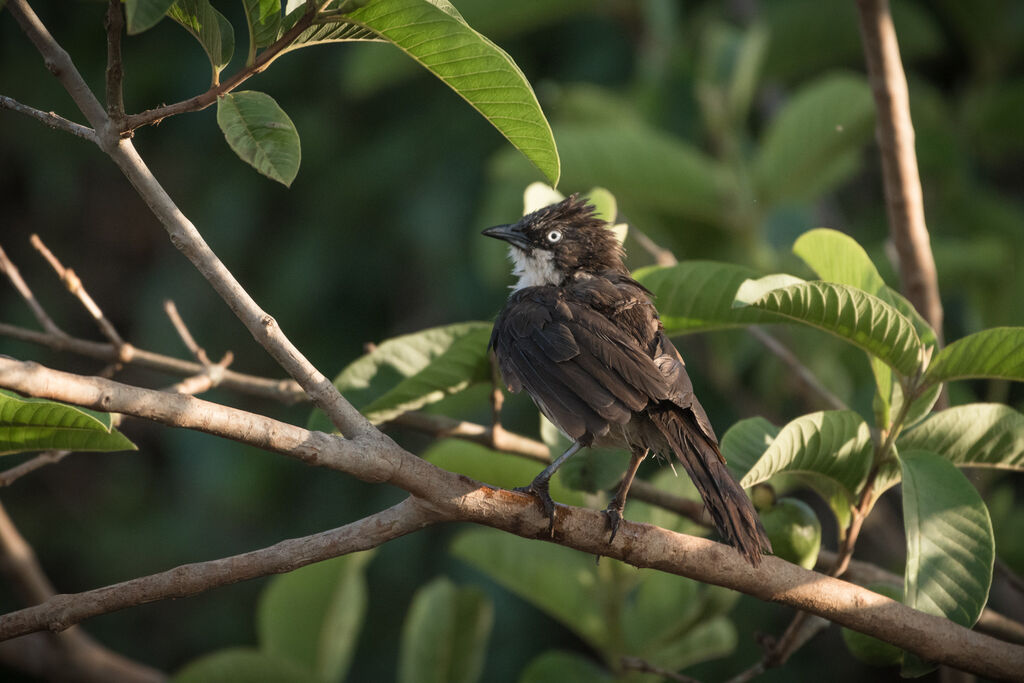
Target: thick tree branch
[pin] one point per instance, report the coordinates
(456, 497)
(895, 131)
(115, 70)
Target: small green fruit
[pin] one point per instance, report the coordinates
(872, 650)
(794, 531)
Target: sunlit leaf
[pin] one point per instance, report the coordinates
(745, 442)
(264, 20)
(33, 424)
(851, 314)
(972, 435)
(996, 353)
(260, 133)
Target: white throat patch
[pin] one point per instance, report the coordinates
(533, 269)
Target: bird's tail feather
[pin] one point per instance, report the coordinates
(733, 513)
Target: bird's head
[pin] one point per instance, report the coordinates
(558, 241)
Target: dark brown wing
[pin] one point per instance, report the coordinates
(582, 371)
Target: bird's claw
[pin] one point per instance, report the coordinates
(539, 490)
(614, 517)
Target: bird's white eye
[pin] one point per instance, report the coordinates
(554, 236)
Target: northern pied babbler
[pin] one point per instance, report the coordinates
(584, 340)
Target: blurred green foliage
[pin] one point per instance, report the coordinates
(714, 125)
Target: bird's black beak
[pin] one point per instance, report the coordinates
(512, 233)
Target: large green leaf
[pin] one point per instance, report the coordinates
(261, 133)
(745, 442)
(831, 449)
(697, 296)
(950, 546)
(34, 424)
(997, 353)
(140, 15)
(311, 617)
(849, 313)
(434, 34)
(444, 638)
(973, 435)
(263, 18)
(557, 580)
(555, 666)
(408, 372)
(209, 27)
(813, 142)
(241, 665)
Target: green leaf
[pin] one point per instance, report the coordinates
(973, 435)
(745, 442)
(837, 257)
(209, 27)
(752, 290)
(559, 581)
(697, 296)
(414, 370)
(997, 353)
(444, 639)
(555, 666)
(264, 20)
(434, 34)
(710, 639)
(950, 547)
(241, 665)
(813, 142)
(831, 450)
(140, 15)
(260, 133)
(35, 424)
(851, 314)
(311, 617)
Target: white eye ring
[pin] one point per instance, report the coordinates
(554, 236)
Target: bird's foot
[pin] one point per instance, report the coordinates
(614, 516)
(539, 490)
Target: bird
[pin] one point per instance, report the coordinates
(585, 341)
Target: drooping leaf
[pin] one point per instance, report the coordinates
(434, 34)
(311, 617)
(571, 594)
(445, 635)
(745, 442)
(140, 15)
(34, 424)
(697, 296)
(408, 372)
(241, 665)
(831, 449)
(813, 142)
(851, 314)
(555, 666)
(996, 353)
(209, 27)
(264, 20)
(950, 546)
(260, 133)
(972, 435)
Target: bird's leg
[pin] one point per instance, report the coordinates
(614, 510)
(539, 486)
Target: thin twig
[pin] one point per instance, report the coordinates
(197, 351)
(204, 100)
(11, 271)
(895, 131)
(9, 476)
(115, 68)
(799, 370)
(643, 666)
(662, 256)
(75, 286)
(54, 121)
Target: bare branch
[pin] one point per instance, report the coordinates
(55, 121)
(62, 611)
(186, 337)
(9, 476)
(75, 286)
(115, 70)
(11, 271)
(373, 457)
(895, 131)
